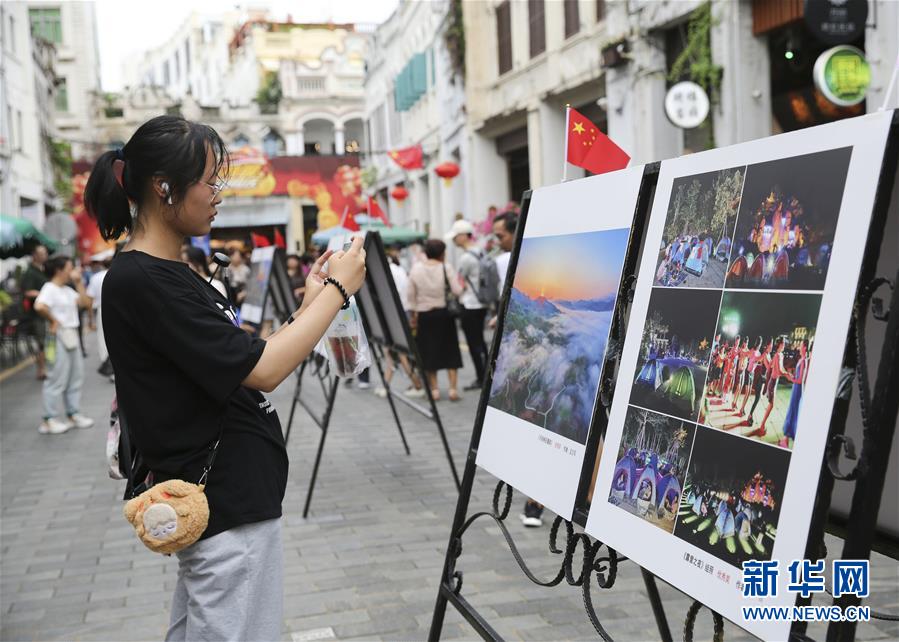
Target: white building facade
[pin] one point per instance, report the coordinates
(430, 112)
(280, 89)
(27, 84)
(72, 28)
(219, 64)
(614, 61)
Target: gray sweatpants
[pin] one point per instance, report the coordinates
(62, 387)
(230, 587)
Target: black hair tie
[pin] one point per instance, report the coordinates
(339, 286)
(120, 154)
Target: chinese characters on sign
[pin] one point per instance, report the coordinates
(687, 105)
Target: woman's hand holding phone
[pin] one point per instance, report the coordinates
(349, 267)
(315, 281)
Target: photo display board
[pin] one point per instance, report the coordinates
(731, 360)
(258, 283)
(556, 325)
(280, 290)
(380, 281)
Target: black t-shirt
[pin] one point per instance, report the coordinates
(179, 361)
(33, 279)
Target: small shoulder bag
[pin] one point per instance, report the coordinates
(453, 307)
(171, 515)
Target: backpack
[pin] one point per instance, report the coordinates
(487, 288)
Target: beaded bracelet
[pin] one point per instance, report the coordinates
(339, 286)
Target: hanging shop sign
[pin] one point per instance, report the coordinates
(836, 21)
(687, 105)
(843, 75)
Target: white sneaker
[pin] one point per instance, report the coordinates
(362, 385)
(415, 393)
(80, 421)
(53, 426)
(381, 392)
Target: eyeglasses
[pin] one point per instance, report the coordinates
(217, 187)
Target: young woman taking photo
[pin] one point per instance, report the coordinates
(187, 376)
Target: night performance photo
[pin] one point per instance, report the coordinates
(652, 460)
(788, 218)
(759, 364)
(674, 351)
(731, 499)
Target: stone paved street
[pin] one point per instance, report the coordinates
(365, 565)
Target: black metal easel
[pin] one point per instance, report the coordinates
(380, 340)
(378, 297)
(316, 367)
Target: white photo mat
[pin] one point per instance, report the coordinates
(541, 463)
(662, 552)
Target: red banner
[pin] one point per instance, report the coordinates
(333, 183)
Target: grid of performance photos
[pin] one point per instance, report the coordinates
(726, 349)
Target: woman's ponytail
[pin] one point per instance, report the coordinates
(106, 200)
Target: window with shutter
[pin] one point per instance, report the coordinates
(572, 18)
(504, 36)
(537, 27)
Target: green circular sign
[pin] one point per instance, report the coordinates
(843, 75)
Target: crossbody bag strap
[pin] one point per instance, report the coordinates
(447, 290)
(213, 450)
(125, 449)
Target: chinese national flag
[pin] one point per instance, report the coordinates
(279, 240)
(375, 211)
(260, 240)
(408, 157)
(348, 221)
(590, 148)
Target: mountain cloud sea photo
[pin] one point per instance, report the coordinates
(556, 328)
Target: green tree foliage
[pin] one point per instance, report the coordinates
(269, 94)
(61, 160)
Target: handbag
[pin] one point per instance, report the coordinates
(68, 337)
(453, 307)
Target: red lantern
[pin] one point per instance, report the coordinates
(399, 193)
(447, 171)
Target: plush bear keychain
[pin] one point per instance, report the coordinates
(170, 516)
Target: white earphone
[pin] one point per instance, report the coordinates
(168, 192)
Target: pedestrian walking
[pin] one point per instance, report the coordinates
(188, 378)
(32, 325)
(433, 290)
(474, 311)
(59, 303)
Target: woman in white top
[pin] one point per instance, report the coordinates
(58, 303)
(436, 334)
